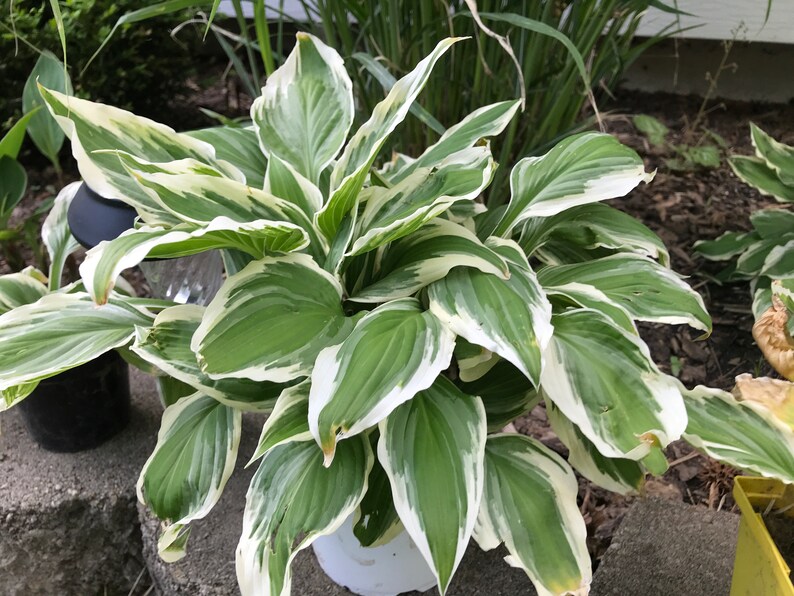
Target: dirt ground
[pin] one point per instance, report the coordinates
(682, 207)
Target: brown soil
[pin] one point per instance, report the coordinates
(781, 529)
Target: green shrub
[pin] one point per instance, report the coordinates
(141, 68)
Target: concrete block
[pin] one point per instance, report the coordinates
(667, 547)
(68, 521)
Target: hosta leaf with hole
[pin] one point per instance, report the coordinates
(594, 226)
(269, 321)
(648, 291)
(17, 289)
(529, 504)
(57, 236)
(580, 169)
(394, 352)
(484, 122)
(778, 156)
(505, 391)
(306, 108)
(166, 345)
(755, 440)
(289, 420)
(432, 449)
(623, 476)
(603, 380)
(188, 469)
(257, 238)
(353, 165)
(757, 173)
(428, 255)
(59, 332)
(239, 146)
(425, 194)
(473, 304)
(97, 131)
(292, 500)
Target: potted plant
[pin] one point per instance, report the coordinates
(392, 326)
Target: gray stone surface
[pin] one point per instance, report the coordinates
(68, 521)
(208, 569)
(666, 548)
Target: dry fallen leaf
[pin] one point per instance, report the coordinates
(774, 394)
(772, 337)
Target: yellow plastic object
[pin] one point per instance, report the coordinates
(759, 569)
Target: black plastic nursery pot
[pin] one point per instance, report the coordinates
(81, 408)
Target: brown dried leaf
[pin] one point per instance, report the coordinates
(774, 394)
(772, 337)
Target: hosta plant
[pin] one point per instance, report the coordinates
(391, 327)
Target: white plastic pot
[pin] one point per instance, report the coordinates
(386, 570)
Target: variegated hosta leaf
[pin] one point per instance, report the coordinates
(473, 361)
(726, 246)
(755, 439)
(24, 287)
(484, 122)
(306, 108)
(777, 155)
(623, 476)
(578, 295)
(293, 500)
(288, 422)
(425, 194)
(95, 128)
(11, 396)
(285, 182)
(166, 345)
(185, 475)
(59, 332)
(648, 291)
(352, 168)
(602, 379)
(583, 168)
(269, 321)
(529, 503)
(475, 305)
(752, 259)
(394, 352)
(772, 222)
(378, 522)
(505, 391)
(758, 173)
(594, 226)
(104, 262)
(239, 146)
(428, 255)
(432, 448)
(57, 236)
(779, 263)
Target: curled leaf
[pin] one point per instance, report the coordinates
(775, 395)
(772, 336)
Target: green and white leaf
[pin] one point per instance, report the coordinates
(487, 121)
(188, 469)
(755, 440)
(291, 501)
(505, 391)
(97, 131)
(778, 156)
(529, 504)
(603, 380)
(352, 167)
(428, 255)
(378, 522)
(425, 194)
(757, 173)
(647, 290)
(581, 169)
(394, 352)
(11, 396)
(780, 261)
(104, 262)
(726, 246)
(473, 361)
(432, 448)
(166, 345)
(59, 332)
(772, 222)
(473, 304)
(239, 146)
(270, 321)
(57, 236)
(288, 422)
(578, 295)
(18, 289)
(306, 108)
(623, 476)
(285, 182)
